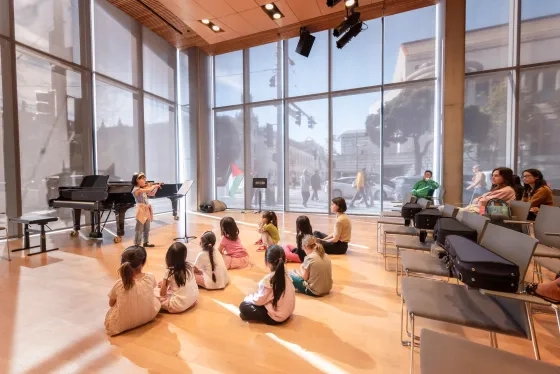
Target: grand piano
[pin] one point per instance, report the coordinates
(99, 196)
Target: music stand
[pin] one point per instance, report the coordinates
(185, 188)
(260, 184)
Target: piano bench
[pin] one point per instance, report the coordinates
(34, 219)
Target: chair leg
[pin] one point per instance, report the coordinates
(397, 274)
(412, 344)
(532, 331)
(493, 340)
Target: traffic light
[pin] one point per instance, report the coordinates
(298, 118)
(46, 103)
(311, 122)
(269, 140)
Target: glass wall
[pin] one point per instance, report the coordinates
(126, 80)
(332, 128)
(501, 130)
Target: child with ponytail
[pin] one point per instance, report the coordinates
(132, 302)
(209, 268)
(314, 278)
(268, 229)
(178, 290)
(235, 255)
(275, 300)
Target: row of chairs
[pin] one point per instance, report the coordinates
(495, 312)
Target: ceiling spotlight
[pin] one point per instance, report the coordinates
(211, 25)
(345, 39)
(305, 42)
(346, 24)
(332, 3)
(350, 3)
(272, 11)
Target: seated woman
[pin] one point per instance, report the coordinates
(536, 191)
(337, 242)
(502, 180)
(425, 188)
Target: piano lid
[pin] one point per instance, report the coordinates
(95, 181)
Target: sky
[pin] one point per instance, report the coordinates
(356, 65)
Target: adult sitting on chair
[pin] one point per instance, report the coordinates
(425, 188)
(536, 191)
(337, 242)
(502, 180)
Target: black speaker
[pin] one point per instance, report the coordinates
(305, 43)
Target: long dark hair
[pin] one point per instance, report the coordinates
(229, 228)
(303, 227)
(176, 261)
(132, 260)
(208, 241)
(275, 256)
(135, 178)
(539, 182)
(506, 174)
(270, 217)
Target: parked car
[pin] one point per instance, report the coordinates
(343, 187)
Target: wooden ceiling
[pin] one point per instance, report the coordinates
(244, 23)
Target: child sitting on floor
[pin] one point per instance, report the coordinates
(269, 230)
(315, 275)
(209, 268)
(132, 302)
(178, 289)
(275, 300)
(297, 254)
(235, 255)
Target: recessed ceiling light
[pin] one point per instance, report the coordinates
(272, 11)
(216, 28)
(277, 15)
(269, 6)
(351, 3)
(205, 21)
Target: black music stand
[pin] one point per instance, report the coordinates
(185, 188)
(260, 184)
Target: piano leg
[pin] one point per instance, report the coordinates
(76, 217)
(95, 225)
(120, 214)
(174, 200)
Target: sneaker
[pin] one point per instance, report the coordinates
(148, 245)
(262, 248)
(259, 242)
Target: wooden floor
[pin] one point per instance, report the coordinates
(53, 307)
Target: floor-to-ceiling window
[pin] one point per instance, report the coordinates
(65, 76)
(512, 88)
(312, 124)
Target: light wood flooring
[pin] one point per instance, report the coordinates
(52, 309)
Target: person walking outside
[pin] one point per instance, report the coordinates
(315, 185)
(305, 183)
(360, 185)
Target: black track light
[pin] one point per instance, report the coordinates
(346, 24)
(345, 39)
(332, 3)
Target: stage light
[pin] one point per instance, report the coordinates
(272, 11)
(216, 28)
(350, 3)
(205, 21)
(332, 3)
(345, 39)
(305, 42)
(346, 24)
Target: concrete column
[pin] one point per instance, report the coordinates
(453, 86)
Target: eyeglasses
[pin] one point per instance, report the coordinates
(527, 176)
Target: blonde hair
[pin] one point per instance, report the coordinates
(309, 241)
